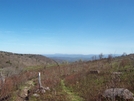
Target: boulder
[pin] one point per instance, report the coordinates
(118, 94)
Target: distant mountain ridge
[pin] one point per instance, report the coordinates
(74, 57)
(68, 57)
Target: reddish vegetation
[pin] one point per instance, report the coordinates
(77, 76)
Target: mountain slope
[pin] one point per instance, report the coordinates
(8, 59)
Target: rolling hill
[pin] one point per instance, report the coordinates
(12, 63)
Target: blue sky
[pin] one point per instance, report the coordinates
(67, 26)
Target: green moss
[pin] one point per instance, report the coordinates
(72, 96)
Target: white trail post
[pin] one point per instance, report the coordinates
(40, 85)
(41, 88)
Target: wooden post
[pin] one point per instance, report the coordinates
(41, 88)
(40, 85)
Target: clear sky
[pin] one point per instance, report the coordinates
(67, 26)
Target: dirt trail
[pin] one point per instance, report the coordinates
(23, 92)
(72, 96)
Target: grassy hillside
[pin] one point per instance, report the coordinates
(79, 81)
(17, 62)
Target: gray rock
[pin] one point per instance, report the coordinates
(36, 95)
(120, 93)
